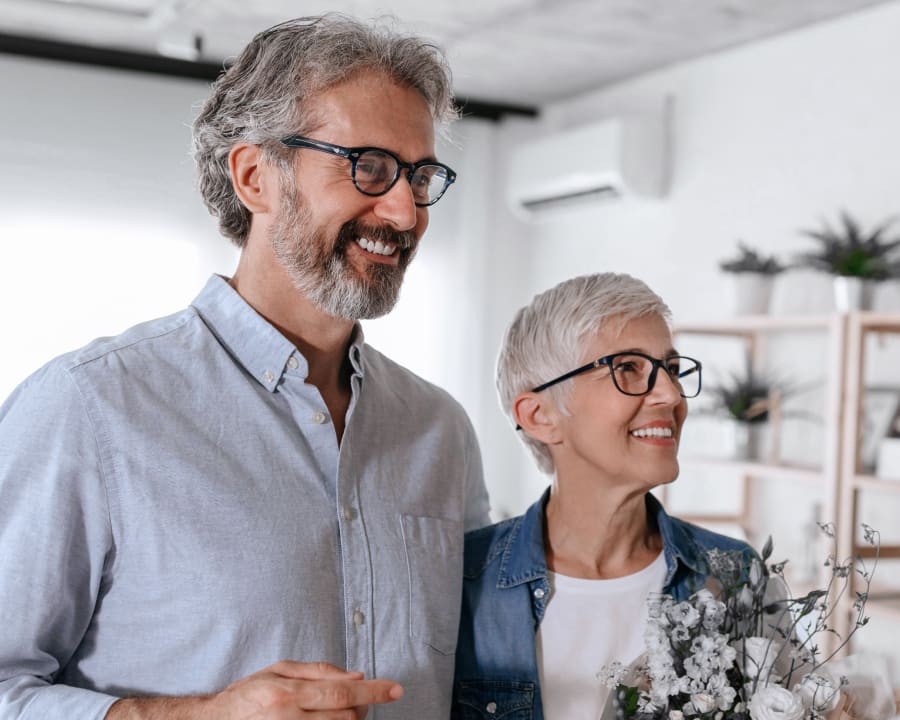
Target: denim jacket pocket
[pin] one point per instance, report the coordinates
(493, 700)
(434, 548)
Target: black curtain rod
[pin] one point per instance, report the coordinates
(173, 67)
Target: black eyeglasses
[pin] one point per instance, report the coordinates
(634, 373)
(375, 170)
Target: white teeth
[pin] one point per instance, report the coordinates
(378, 247)
(659, 432)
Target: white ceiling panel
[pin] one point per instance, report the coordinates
(520, 52)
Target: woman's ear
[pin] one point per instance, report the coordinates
(255, 181)
(537, 416)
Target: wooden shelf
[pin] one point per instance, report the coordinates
(884, 603)
(872, 482)
(878, 322)
(746, 324)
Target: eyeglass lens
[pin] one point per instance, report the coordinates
(376, 171)
(631, 374)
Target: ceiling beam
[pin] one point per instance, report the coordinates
(199, 70)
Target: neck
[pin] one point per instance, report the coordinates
(322, 339)
(600, 533)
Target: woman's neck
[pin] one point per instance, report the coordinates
(601, 534)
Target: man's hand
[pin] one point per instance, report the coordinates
(283, 691)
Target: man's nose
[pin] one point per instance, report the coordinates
(397, 206)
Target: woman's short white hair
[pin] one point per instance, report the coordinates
(550, 335)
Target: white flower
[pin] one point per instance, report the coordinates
(745, 599)
(613, 674)
(659, 664)
(703, 703)
(727, 696)
(756, 656)
(676, 715)
(713, 615)
(818, 691)
(756, 574)
(684, 614)
(775, 703)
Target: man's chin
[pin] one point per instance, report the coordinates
(355, 304)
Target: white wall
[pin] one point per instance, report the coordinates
(766, 139)
(100, 225)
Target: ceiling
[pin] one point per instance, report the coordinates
(513, 52)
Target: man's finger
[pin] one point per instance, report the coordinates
(313, 671)
(343, 694)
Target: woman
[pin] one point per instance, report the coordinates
(589, 375)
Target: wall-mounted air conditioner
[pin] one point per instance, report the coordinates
(613, 157)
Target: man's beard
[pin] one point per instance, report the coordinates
(318, 267)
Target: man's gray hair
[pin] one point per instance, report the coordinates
(550, 336)
(265, 95)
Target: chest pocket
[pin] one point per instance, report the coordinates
(434, 557)
(493, 700)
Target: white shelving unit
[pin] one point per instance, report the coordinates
(855, 482)
(838, 477)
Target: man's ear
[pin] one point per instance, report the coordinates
(255, 181)
(537, 416)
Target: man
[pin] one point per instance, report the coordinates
(242, 510)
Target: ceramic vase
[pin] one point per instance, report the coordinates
(751, 440)
(752, 292)
(852, 293)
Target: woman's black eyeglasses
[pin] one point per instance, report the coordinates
(634, 373)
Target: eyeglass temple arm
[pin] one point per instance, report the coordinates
(294, 141)
(571, 373)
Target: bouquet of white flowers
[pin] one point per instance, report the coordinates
(742, 648)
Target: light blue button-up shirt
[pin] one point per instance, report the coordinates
(175, 514)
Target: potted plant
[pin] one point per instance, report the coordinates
(857, 259)
(754, 275)
(749, 401)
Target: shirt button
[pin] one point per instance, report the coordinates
(292, 363)
(319, 417)
(358, 618)
(491, 707)
(539, 593)
(348, 513)
(268, 376)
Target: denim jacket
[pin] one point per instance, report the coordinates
(505, 591)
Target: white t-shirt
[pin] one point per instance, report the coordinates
(588, 624)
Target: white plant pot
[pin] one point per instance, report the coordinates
(751, 441)
(852, 293)
(752, 292)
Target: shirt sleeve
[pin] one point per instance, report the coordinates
(478, 506)
(55, 539)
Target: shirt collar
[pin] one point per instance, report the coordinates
(524, 560)
(678, 546)
(254, 342)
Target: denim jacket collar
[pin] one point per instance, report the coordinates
(523, 557)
